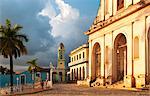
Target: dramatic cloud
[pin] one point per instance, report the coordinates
(46, 23)
(65, 23)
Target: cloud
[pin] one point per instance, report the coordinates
(64, 21)
(48, 10)
(65, 24)
(46, 23)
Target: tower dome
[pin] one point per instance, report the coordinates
(61, 46)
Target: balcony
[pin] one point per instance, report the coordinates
(77, 62)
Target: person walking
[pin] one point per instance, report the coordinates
(42, 84)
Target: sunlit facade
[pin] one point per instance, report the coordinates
(119, 43)
(79, 63)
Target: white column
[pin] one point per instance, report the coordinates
(110, 7)
(114, 7)
(128, 3)
(102, 9)
(90, 59)
(125, 63)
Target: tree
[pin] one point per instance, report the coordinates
(2, 70)
(33, 66)
(12, 44)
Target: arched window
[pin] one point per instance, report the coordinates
(74, 58)
(120, 4)
(83, 54)
(61, 57)
(136, 47)
(79, 56)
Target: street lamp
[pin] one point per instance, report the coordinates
(17, 83)
(51, 71)
(33, 76)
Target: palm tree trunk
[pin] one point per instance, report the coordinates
(11, 73)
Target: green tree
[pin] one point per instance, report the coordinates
(12, 44)
(33, 66)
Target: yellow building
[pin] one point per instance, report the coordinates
(119, 43)
(59, 73)
(79, 63)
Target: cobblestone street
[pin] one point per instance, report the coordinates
(74, 90)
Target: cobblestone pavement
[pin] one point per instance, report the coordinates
(74, 90)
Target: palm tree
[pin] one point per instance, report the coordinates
(33, 66)
(11, 44)
(2, 70)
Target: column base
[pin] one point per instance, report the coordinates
(108, 80)
(128, 81)
(140, 80)
(147, 79)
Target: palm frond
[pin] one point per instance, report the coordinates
(29, 68)
(8, 23)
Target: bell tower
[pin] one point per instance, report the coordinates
(61, 57)
(61, 63)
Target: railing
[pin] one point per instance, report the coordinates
(77, 61)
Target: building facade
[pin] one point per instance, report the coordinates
(119, 43)
(79, 63)
(59, 73)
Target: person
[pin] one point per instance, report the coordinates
(91, 82)
(42, 84)
(46, 82)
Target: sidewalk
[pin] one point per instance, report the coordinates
(29, 91)
(23, 90)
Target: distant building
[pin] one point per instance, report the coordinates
(119, 44)
(79, 63)
(59, 73)
(21, 78)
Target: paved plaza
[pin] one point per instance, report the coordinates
(74, 90)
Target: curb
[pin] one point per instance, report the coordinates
(32, 92)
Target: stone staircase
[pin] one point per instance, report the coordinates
(97, 83)
(117, 85)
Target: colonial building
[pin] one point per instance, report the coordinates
(79, 63)
(119, 43)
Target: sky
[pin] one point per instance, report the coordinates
(47, 23)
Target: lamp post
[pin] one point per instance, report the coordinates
(51, 71)
(17, 83)
(33, 76)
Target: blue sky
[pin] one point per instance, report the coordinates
(48, 23)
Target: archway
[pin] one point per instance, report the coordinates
(80, 74)
(96, 61)
(83, 73)
(120, 58)
(77, 74)
(60, 76)
(72, 74)
(23, 79)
